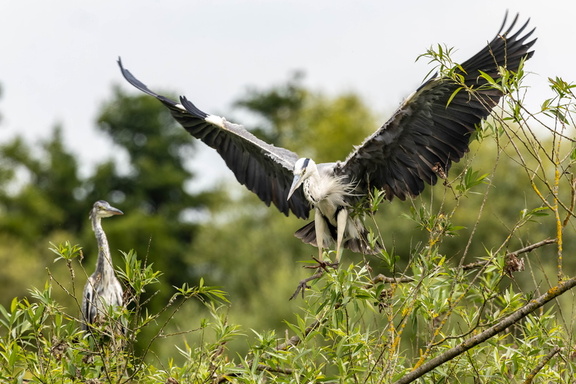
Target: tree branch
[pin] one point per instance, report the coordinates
(467, 344)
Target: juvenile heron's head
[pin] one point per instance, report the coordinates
(102, 209)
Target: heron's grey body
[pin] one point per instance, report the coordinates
(428, 132)
(102, 289)
(330, 195)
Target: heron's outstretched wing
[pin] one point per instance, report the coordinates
(263, 168)
(430, 131)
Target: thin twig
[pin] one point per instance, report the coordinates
(391, 280)
(295, 340)
(570, 213)
(470, 343)
(532, 247)
(541, 365)
(284, 371)
(528, 248)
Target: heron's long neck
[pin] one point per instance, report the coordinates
(312, 188)
(326, 191)
(104, 262)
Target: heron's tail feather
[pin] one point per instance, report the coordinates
(307, 234)
(358, 244)
(362, 246)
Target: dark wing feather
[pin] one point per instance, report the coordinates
(427, 133)
(88, 308)
(263, 168)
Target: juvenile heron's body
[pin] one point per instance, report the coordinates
(102, 289)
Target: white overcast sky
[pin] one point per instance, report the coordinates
(58, 58)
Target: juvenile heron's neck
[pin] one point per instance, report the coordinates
(104, 262)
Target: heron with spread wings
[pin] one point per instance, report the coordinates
(426, 134)
(102, 290)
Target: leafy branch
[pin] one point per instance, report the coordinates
(471, 342)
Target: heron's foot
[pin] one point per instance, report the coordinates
(321, 264)
(303, 284)
(321, 267)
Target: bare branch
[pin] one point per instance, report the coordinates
(531, 247)
(528, 248)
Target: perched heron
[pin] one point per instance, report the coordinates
(428, 132)
(102, 289)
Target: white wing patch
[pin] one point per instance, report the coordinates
(216, 120)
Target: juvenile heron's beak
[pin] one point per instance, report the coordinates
(295, 184)
(114, 211)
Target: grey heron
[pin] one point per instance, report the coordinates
(427, 133)
(102, 289)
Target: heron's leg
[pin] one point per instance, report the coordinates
(341, 221)
(320, 228)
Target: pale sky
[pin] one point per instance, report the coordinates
(58, 57)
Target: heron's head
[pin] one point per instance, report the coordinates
(303, 168)
(103, 209)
